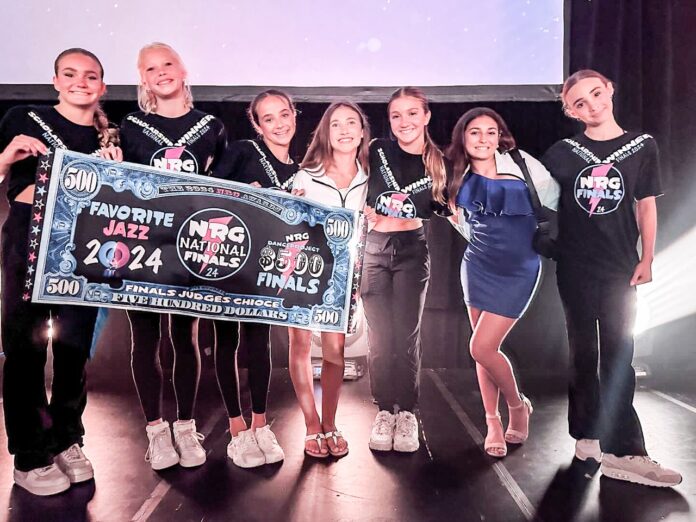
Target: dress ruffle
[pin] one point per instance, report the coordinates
(497, 197)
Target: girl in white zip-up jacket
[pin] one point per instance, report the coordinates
(334, 172)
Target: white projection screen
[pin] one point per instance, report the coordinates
(513, 48)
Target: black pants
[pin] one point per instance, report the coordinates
(600, 316)
(145, 362)
(255, 341)
(396, 271)
(36, 429)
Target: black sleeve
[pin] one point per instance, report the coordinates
(649, 178)
(230, 162)
(10, 127)
(125, 140)
(220, 146)
(547, 160)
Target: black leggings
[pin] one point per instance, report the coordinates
(145, 362)
(255, 338)
(36, 429)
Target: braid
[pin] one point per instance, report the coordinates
(435, 167)
(107, 135)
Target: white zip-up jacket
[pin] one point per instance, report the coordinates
(319, 187)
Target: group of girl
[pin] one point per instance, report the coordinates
(398, 183)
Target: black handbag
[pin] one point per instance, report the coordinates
(544, 241)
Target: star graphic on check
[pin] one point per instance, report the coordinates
(43, 178)
(41, 191)
(33, 243)
(35, 230)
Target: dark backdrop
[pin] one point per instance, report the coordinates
(647, 48)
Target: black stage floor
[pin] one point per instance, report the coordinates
(449, 478)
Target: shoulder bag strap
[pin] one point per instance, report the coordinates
(517, 157)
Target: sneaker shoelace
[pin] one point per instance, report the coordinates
(247, 442)
(73, 453)
(406, 426)
(157, 444)
(644, 458)
(383, 426)
(267, 438)
(189, 439)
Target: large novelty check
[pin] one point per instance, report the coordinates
(129, 236)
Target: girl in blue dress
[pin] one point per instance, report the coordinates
(500, 269)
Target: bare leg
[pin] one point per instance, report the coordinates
(488, 335)
(302, 380)
(489, 390)
(494, 444)
(332, 367)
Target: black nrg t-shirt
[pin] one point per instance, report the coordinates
(600, 183)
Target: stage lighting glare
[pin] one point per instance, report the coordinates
(672, 294)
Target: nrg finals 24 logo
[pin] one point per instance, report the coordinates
(599, 189)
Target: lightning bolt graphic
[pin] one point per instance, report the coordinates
(294, 248)
(174, 153)
(209, 251)
(598, 172)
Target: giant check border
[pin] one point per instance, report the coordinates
(70, 195)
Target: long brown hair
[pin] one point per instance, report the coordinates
(575, 78)
(432, 156)
(456, 152)
(146, 100)
(107, 134)
(320, 152)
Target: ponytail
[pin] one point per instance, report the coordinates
(107, 134)
(435, 168)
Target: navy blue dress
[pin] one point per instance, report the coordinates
(500, 269)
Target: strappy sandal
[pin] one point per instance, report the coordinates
(335, 435)
(318, 438)
(516, 436)
(491, 447)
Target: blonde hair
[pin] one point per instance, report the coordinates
(320, 153)
(146, 100)
(432, 156)
(107, 135)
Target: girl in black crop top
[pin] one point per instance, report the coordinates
(47, 460)
(407, 180)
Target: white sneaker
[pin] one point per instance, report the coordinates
(187, 444)
(73, 463)
(382, 434)
(268, 444)
(640, 470)
(244, 450)
(160, 453)
(406, 432)
(44, 481)
(588, 449)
